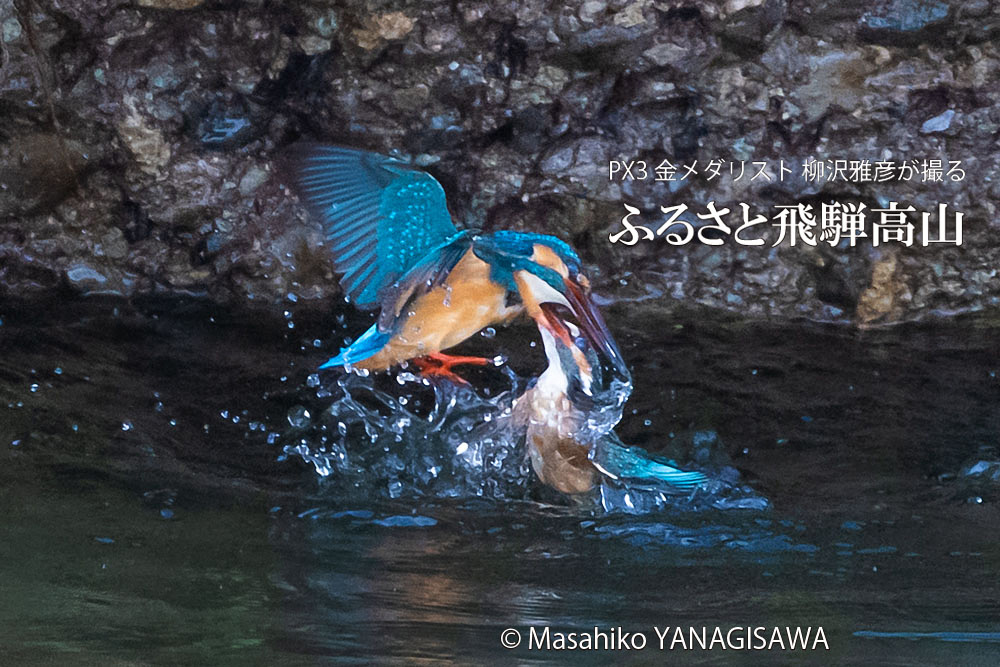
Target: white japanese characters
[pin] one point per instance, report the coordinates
(811, 171)
(835, 223)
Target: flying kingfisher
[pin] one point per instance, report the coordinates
(394, 242)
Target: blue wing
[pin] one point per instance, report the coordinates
(635, 463)
(380, 216)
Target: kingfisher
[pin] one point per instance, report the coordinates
(398, 251)
(569, 414)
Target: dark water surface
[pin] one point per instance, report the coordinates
(149, 515)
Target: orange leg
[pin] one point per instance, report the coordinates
(440, 364)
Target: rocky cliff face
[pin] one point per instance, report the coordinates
(137, 138)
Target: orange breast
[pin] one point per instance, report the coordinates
(448, 314)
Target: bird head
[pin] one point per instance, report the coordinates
(546, 273)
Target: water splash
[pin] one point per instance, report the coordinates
(403, 436)
(397, 436)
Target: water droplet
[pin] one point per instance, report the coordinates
(34, 387)
(298, 416)
(126, 426)
(312, 380)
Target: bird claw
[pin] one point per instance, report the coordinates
(440, 365)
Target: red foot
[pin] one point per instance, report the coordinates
(440, 364)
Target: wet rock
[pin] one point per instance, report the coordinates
(379, 28)
(748, 28)
(882, 300)
(837, 80)
(411, 99)
(171, 4)
(938, 123)
(225, 124)
(580, 162)
(252, 180)
(904, 22)
(10, 29)
(37, 171)
(665, 54)
(140, 133)
(85, 279)
(632, 15)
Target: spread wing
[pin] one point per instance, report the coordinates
(426, 274)
(381, 216)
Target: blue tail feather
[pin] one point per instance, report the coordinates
(635, 463)
(368, 344)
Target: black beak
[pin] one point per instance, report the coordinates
(593, 327)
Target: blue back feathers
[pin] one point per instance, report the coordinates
(507, 252)
(381, 217)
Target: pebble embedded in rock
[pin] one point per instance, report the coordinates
(938, 123)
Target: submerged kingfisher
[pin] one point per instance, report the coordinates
(393, 240)
(569, 414)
